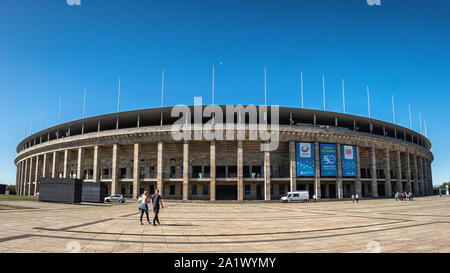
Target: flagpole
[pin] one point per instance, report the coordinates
(368, 99)
(425, 123)
(213, 87)
(265, 86)
(42, 118)
(410, 119)
(162, 95)
(420, 119)
(343, 95)
(323, 90)
(301, 83)
(59, 111)
(31, 125)
(393, 108)
(118, 97)
(84, 103)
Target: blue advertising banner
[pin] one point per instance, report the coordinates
(304, 153)
(328, 160)
(348, 161)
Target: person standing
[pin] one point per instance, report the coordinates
(353, 198)
(357, 198)
(157, 204)
(143, 207)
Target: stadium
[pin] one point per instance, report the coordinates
(331, 155)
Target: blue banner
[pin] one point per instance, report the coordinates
(348, 161)
(328, 160)
(305, 159)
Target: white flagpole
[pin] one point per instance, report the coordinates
(31, 125)
(323, 90)
(213, 87)
(162, 95)
(59, 111)
(425, 123)
(118, 97)
(410, 119)
(420, 119)
(265, 86)
(301, 83)
(84, 103)
(162, 89)
(343, 95)
(368, 99)
(42, 118)
(393, 109)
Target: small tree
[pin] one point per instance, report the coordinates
(442, 187)
(11, 189)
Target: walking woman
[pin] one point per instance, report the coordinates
(143, 207)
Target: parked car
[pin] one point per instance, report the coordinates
(115, 198)
(296, 196)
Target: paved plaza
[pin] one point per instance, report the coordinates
(422, 225)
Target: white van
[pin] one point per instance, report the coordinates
(296, 196)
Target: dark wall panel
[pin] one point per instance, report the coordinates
(61, 190)
(93, 192)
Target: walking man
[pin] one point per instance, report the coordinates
(156, 202)
(357, 198)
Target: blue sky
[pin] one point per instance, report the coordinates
(50, 49)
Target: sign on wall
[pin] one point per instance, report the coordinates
(328, 160)
(348, 161)
(305, 159)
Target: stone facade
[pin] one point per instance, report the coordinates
(132, 160)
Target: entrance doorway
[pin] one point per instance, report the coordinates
(259, 195)
(226, 192)
(332, 191)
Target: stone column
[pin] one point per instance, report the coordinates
(240, 171)
(420, 168)
(339, 186)
(327, 190)
(54, 165)
(21, 177)
(17, 176)
(408, 173)
(80, 162)
(25, 179)
(159, 168)
(66, 163)
(114, 182)
(317, 166)
(292, 166)
(212, 171)
(44, 166)
(358, 189)
(373, 168)
(136, 181)
(95, 165)
(36, 176)
(399, 172)
(267, 176)
(416, 175)
(387, 170)
(185, 170)
(30, 177)
(430, 176)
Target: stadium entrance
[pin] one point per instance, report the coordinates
(226, 192)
